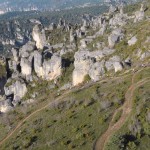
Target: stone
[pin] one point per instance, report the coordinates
(145, 55)
(5, 106)
(97, 70)
(29, 47)
(39, 36)
(52, 67)
(89, 63)
(118, 20)
(38, 63)
(82, 66)
(16, 88)
(26, 67)
(114, 63)
(132, 41)
(116, 36)
(139, 15)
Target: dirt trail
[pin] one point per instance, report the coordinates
(126, 110)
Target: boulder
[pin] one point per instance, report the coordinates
(132, 41)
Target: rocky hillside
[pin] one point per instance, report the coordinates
(64, 58)
(100, 45)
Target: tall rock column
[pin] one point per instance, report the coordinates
(39, 37)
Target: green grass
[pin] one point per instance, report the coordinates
(75, 123)
(135, 133)
(117, 116)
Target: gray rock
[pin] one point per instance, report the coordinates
(118, 20)
(38, 63)
(145, 55)
(17, 88)
(26, 67)
(39, 37)
(116, 36)
(12, 65)
(114, 63)
(139, 15)
(5, 106)
(52, 67)
(27, 49)
(89, 63)
(132, 41)
(97, 70)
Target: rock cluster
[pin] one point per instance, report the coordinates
(93, 64)
(93, 42)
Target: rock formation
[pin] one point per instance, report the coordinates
(116, 36)
(39, 37)
(90, 63)
(139, 15)
(17, 89)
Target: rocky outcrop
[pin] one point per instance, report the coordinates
(38, 63)
(82, 65)
(26, 67)
(49, 68)
(17, 89)
(90, 63)
(114, 63)
(118, 20)
(52, 68)
(116, 36)
(39, 37)
(97, 70)
(139, 15)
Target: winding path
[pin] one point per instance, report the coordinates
(126, 110)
